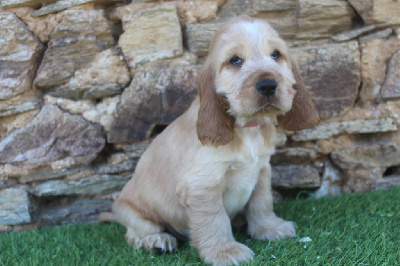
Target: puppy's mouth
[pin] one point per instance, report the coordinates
(268, 106)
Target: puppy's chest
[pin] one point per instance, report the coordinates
(242, 175)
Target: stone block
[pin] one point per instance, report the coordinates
(331, 78)
(80, 61)
(378, 11)
(153, 97)
(79, 212)
(93, 185)
(51, 136)
(20, 54)
(327, 130)
(14, 206)
(151, 32)
(391, 86)
(318, 19)
(295, 176)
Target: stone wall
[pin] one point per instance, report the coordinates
(86, 84)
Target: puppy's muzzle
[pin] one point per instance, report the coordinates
(267, 87)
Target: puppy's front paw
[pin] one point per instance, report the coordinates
(231, 253)
(161, 243)
(274, 228)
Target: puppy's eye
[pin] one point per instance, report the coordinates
(236, 61)
(276, 55)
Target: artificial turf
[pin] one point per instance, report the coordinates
(350, 229)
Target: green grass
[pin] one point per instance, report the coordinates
(345, 230)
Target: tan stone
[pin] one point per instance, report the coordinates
(14, 122)
(78, 43)
(373, 67)
(199, 36)
(318, 18)
(151, 32)
(378, 11)
(20, 54)
(196, 11)
(41, 27)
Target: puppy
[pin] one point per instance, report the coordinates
(213, 161)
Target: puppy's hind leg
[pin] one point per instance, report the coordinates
(141, 231)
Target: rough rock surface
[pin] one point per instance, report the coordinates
(373, 68)
(14, 206)
(363, 166)
(391, 87)
(24, 3)
(20, 54)
(92, 185)
(79, 212)
(321, 18)
(295, 177)
(377, 11)
(79, 38)
(51, 136)
(150, 32)
(324, 131)
(199, 36)
(296, 155)
(323, 67)
(153, 97)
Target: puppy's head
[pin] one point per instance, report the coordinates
(249, 75)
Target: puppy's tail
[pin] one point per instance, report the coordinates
(107, 217)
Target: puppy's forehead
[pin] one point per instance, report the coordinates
(251, 30)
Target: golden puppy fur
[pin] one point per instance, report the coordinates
(213, 161)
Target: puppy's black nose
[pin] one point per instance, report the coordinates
(267, 87)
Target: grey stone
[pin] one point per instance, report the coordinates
(64, 4)
(127, 166)
(153, 97)
(327, 130)
(51, 136)
(92, 185)
(331, 181)
(331, 78)
(199, 36)
(20, 108)
(349, 35)
(79, 212)
(49, 174)
(23, 3)
(295, 155)
(387, 182)
(14, 206)
(5, 183)
(295, 176)
(382, 34)
(391, 87)
(20, 54)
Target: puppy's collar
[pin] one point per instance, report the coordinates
(251, 124)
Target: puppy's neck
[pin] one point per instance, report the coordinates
(251, 124)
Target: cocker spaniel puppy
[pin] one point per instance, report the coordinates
(213, 161)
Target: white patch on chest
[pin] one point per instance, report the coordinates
(242, 175)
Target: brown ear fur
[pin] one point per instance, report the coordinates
(214, 125)
(303, 113)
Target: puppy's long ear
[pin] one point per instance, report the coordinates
(214, 125)
(303, 113)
